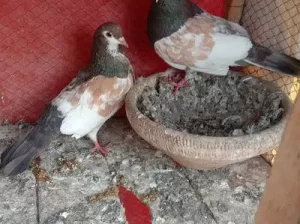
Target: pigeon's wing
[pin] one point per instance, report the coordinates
(205, 41)
(88, 105)
(229, 28)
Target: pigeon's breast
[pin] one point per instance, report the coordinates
(192, 43)
(108, 94)
(101, 93)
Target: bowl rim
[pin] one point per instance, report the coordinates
(135, 92)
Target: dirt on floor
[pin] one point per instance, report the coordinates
(231, 105)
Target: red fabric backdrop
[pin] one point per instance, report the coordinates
(45, 43)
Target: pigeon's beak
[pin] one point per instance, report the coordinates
(122, 41)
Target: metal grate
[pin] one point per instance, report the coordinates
(45, 43)
(275, 24)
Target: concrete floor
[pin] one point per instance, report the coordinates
(79, 187)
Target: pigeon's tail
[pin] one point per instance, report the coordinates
(15, 159)
(274, 61)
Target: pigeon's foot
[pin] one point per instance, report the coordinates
(100, 149)
(178, 81)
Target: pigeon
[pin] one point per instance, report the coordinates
(91, 98)
(189, 39)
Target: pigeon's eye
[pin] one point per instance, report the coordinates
(108, 34)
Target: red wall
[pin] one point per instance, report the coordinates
(45, 43)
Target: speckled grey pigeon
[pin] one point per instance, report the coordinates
(188, 38)
(84, 105)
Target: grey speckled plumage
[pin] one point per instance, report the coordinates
(102, 62)
(162, 23)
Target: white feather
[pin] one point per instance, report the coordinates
(82, 119)
(62, 104)
(212, 69)
(229, 48)
(174, 65)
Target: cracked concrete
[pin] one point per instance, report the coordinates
(78, 183)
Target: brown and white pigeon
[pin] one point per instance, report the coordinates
(84, 105)
(188, 38)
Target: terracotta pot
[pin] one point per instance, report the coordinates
(202, 152)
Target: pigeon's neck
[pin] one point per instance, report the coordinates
(107, 61)
(164, 22)
(113, 49)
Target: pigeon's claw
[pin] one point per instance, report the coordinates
(178, 81)
(100, 149)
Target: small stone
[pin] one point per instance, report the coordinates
(64, 215)
(273, 160)
(238, 132)
(160, 220)
(153, 185)
(125, 162)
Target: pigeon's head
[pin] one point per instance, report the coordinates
(168, 5)
(110, 34)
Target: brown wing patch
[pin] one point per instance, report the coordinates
(107, 94)
(193, 42)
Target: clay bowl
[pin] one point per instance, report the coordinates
(202, 152)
